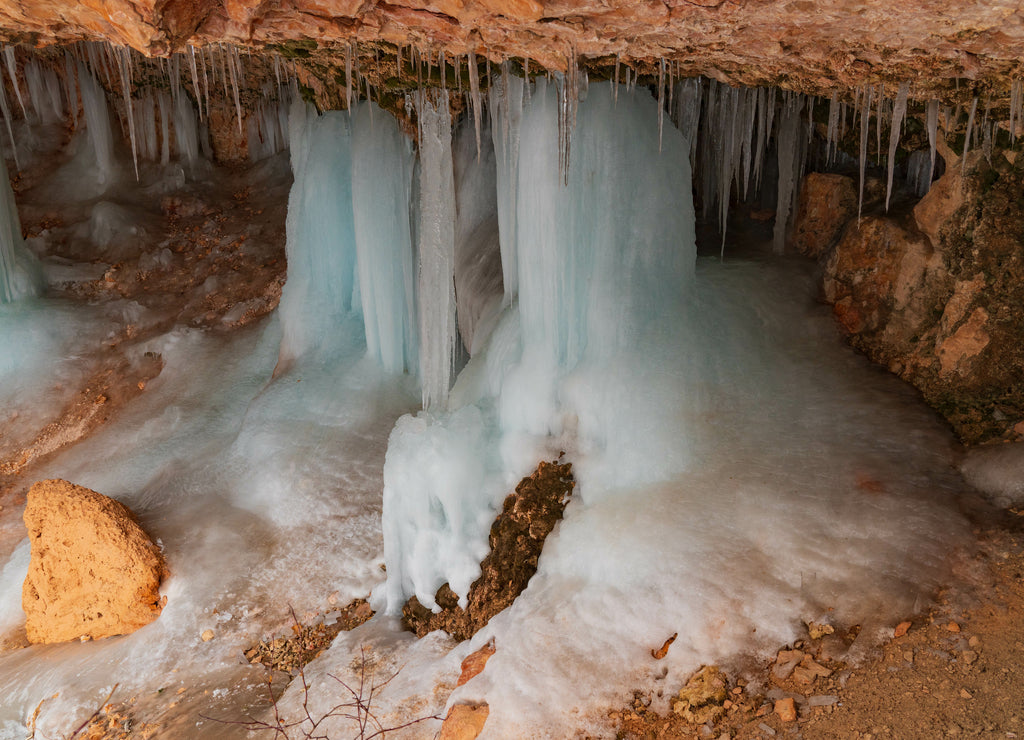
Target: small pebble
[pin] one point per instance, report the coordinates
(965, 694)
(953, 627)
(207, 635)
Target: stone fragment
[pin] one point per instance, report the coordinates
(808, 670)
(786, 709)
(474, 663)
(817, 631)
(93, 571)
(700, 700)
(207, 635)
(464, 722)
(953, 627)
(901, 629)
(786, 661)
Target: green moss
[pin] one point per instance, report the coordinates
(300, 49)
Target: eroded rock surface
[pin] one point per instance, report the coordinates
(811, 46)
(517, 538)
(936, 294)
(93, 572)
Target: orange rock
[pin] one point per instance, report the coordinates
(93, 572)
(474, 663)
(901, 629)
(464, 722)
(786, 709)
(826, 203)
(966, 343)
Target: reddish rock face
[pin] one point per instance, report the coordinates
(810, 46)
(825, 204)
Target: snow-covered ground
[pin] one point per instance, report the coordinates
(740, 470)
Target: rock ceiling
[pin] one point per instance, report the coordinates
(812, 46)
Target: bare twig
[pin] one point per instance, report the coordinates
(94, 715)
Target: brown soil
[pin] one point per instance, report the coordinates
(307, 641)
(956, 671)
(517, 538)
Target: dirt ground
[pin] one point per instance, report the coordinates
(956, 671)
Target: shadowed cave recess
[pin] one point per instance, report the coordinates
(312, 291)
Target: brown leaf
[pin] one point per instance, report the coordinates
(663, 650)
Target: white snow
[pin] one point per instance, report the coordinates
(738, 468)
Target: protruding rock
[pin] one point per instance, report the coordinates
(93, 571)
(786, 709)
(826, 203)
(464, 722)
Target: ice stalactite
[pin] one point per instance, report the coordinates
(474, 96)
(479, 279)
(5, 108)
(12, 71)
(382, 168)
(321, 243)
(967, 136)
(605, 262)
(44, 92)
(790, 155)
(124, 62)
(20, 274)
(508, 97)
(97, 123)
(436, 294)
(898, 112)
(865, 112)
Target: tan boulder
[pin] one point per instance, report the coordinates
(464, 722)
(825, 205)
(93, 572)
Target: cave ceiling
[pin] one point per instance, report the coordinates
(944, 48)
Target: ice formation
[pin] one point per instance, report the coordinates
(597, 292)
(20, 274)
(738, 469)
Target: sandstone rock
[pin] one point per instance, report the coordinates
(966, 343)
(464, 722)
(701, 700)
(938, 205)
(93, 571)
(901, 629)
(786, 709)
(825, 206)
(785, 662)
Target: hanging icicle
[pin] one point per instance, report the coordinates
(865, 119)
(967, 138)
(898, 111)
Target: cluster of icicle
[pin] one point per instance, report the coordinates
(143, 82)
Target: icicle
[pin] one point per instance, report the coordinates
(348, 78)
(615, 80)
(789, 158)
(12, 70)
(865, 119)
(832, 130)
(568, 98)
(206, 81)
(810, 119)
(195, 78)
(436, 251)
(932, 124)
(71, 87)
(661, 99)
(124, 64)
(444, 78)
(165, 129)
(898, 111)
(474, 93)
(6, 108)
(967, 138)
